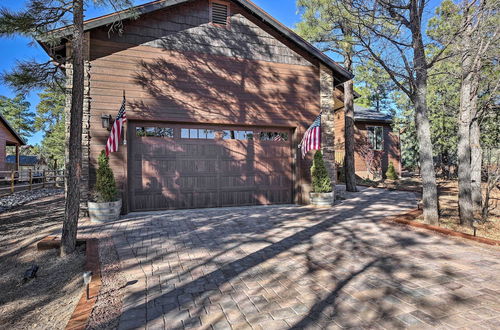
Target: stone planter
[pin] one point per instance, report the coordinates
(322, 199)
(105, 212)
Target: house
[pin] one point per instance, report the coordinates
(9, 138)
(218, 97)
(376, 144)
(27, 163)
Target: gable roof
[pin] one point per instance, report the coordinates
(12, 130)
(340, 74)
(25, 160)
(365, 114)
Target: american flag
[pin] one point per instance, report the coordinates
(278, 137)
(312, 137)
(116, 130)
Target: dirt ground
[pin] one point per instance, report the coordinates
(448, 203)
(47, 301)
(449, 217)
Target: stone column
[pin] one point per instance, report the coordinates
(327, 122)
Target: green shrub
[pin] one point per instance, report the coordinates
(391, 173)
(105, 187)
(321, 182)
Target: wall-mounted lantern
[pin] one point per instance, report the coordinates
(106, 121)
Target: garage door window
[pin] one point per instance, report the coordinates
(154, 132)
(197, 133)
(273, 136)
(237, 135)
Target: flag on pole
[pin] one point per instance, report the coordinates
(312, 137)
(116, 129)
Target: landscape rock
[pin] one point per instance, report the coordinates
(22, 197)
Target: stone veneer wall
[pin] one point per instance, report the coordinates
(84, 179)
(327, 122)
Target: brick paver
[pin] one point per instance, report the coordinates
(281, 267)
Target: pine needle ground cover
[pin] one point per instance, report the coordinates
(47, 301)
(449, 218)
(448, 202)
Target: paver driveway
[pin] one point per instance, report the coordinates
(285, 267)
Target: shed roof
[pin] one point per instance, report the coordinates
(341, 74)
(12, 130)
(365, 114)
(24, 160)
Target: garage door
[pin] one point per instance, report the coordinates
(182, 166)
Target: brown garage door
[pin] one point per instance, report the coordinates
(183, 166)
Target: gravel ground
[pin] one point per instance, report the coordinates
(19, 198)
(107, 309)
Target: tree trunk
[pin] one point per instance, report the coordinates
(349, 166)
(476, 166)
(464, 164)
(419, 98)
(429, 188)
(74, 164)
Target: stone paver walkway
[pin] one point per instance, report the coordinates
(282, 267)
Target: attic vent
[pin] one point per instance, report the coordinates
(220, 12)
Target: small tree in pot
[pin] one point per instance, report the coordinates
(106, 205)
(391, 172)
(322, 194)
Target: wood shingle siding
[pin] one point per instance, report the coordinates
(187, 28)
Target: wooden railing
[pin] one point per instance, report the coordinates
(15, 181)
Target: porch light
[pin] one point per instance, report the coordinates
(106, 121)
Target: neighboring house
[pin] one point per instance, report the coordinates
(8, 137)
(376, 145)
(219, 95)
(36, 164)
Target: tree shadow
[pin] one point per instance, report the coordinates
(295, 266)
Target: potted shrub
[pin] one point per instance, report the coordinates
(322, 194)
(391, 173)
(105, 205)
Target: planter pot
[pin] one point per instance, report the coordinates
(322, 199)
(105, 212)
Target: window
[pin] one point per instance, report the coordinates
(154, 131)
(273, 136)
(376, 137)
(219, 13)
(197, 133)
(237, 135)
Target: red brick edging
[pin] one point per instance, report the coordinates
(407, 219)
(84, 308)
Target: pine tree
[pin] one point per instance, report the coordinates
(321, 182)
(105, 186)
(17, 112)
(35, 21)
(391, 172)
(328, 24)
(50, 119)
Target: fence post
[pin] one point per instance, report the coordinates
(31, 179)
(11, 182)
(43, 180)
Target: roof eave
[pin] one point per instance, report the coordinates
(386, 121)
